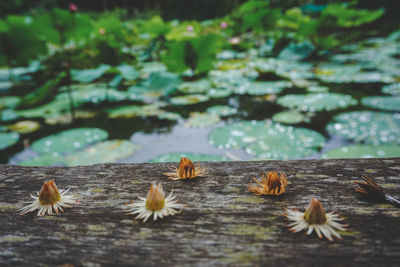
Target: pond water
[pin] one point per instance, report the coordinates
(249, 107)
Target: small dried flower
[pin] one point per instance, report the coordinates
(315, 218)
(72, 7)
(186, 170)
(271, 184)
(371, 189)
(155, 204)
(50, 198)
(102, 31)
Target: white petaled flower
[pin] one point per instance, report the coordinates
(48, 199)
(315, 218)
(155, 204)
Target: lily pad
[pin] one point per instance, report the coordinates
(222, 110)
(128, 72)
(297, 51)
(262, 88)
(391, 103)
(8, 139)
(367, 126)
(175, 157)
(9, 102)
(219, 92)
(363, 151)
(196, 87)
(392, 89)
(267, 139)
(151, 67)
(8, 115)
(134, 111)
(69, 140)
(104, 152)
(52, 109)
(171, 116)
(202, 119)
(165, 82)
(95, 96)
(24, 127)
(290, 117)
(48, 159)
(317, 102)
(89, 75)
(317, 89)
(188, 99)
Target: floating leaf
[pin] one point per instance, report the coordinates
(317, 89)
(171, 116)
(290, 117)
(219, 93)
(94, 95)
(104, 152)
(222, 110)
(196, 87)
(175, 157)
(8, 115)
(134, 111)
(89, 75)
(69, 140)
(317, 102)
(128, 72)
(391, 103)
(48, 159)
(24, 127)
(367, 126)
(262, 88)
(8, 139)
(268, 140)
(363, 151)
(9, 102)
(297, 51)
(201, 120)
(188, 99)
(392, 89)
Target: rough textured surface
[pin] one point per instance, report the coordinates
(223, 224)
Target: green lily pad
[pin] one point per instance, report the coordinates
(367, 126)
(52, 109)
(89, 75)
(391, 103)
(317, 102)
(262, 88)
(5, 86)
(48, 159)
(363, 151)
(392, 89)
(134, 111)
(219, 92)
(9, 102)
(128, 72)
(165, 82)
(104, 152)
(171, 116)
(151, 67)
(176, 157)
(317, 89)
(188, 99)
(196, 87)
(69, 140)
(222, 110)
(94, 96)
(8, 115)
(296, 51)
(267, 140)
(202, 119)
(24, 127)
(290, 117)
(8, 139)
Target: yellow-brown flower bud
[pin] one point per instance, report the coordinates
(49, 193)
(155, 198)
(315, 213)
(271, 184)
(186, 168)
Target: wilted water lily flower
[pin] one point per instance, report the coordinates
(190, 28)
(186, 170)
(271, 184)
(371, 189)
(223, 25)
(50, 198)
(72, 7)
(234, 40)
(155, 204)
(315, 218)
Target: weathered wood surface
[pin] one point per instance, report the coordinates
(223, 224)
